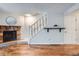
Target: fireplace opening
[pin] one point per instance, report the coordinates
(9, 36)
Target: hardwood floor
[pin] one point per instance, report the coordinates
(40, 50)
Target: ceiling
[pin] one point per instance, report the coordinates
(55, 8)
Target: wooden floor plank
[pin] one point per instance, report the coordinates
(40, 50)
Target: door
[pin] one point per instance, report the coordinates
(77, 29)
(69, 33)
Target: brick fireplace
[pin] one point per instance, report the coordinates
(9, 33)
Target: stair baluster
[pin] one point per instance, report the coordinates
(38, 25)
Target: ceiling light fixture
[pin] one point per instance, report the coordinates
(28, 15)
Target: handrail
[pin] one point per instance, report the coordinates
(38, 25)
(36, 21)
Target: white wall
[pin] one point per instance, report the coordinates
(53, 36)
(3, 18)
(71, 35)
(20, 22)
(72, 26)
(70, 31)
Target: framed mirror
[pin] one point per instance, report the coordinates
(11, 20)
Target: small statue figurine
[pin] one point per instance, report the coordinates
(55, 25)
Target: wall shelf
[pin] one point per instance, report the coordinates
(49, 28)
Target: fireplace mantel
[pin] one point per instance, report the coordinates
(9, 28)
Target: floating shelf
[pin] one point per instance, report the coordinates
(59, 28)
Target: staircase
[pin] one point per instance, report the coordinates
(37, 26)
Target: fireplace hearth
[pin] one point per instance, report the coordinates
(9, 36)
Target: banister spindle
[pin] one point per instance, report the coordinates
(38, 25)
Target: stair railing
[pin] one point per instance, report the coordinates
(37, 26)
